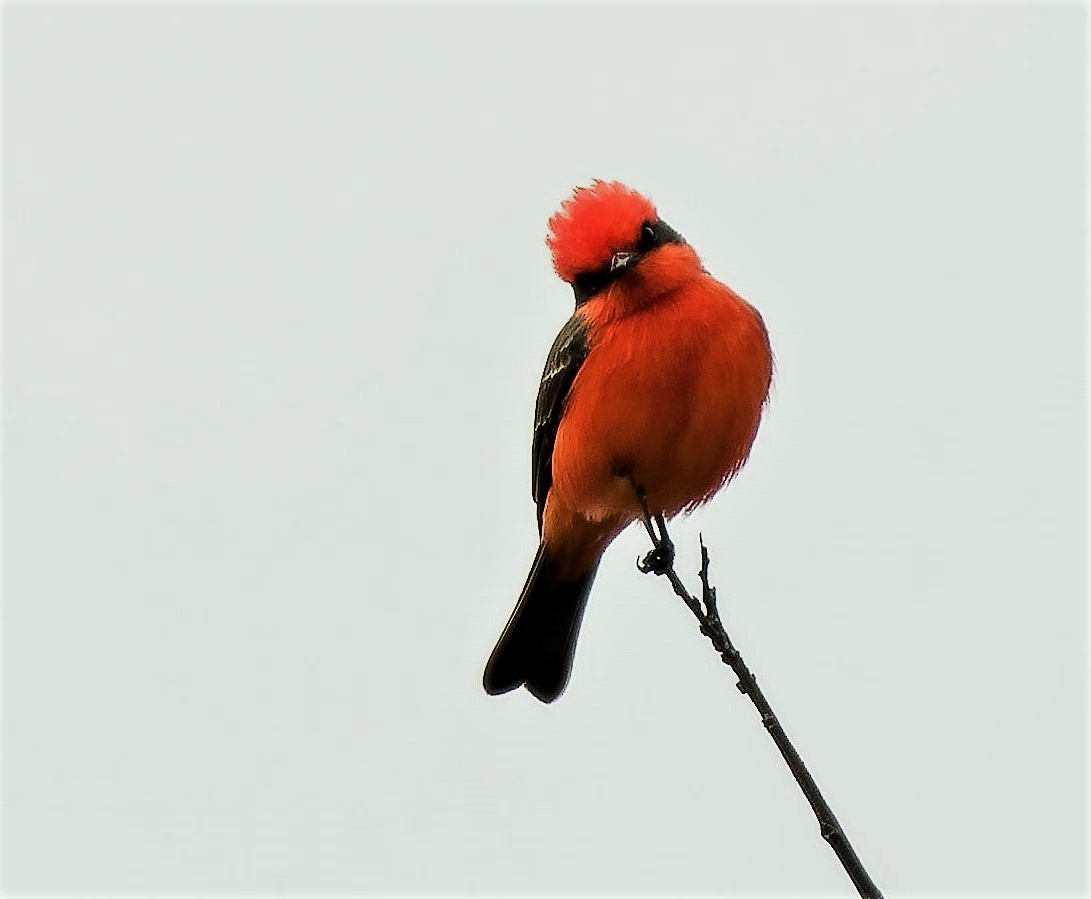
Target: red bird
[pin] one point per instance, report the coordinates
(652, 393)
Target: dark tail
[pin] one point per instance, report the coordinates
(539, 642)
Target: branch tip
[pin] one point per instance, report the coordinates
(661, 561)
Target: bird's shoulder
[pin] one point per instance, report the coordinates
(570, 348)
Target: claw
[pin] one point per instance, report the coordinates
(659, 561)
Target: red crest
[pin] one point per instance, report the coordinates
(593, 224)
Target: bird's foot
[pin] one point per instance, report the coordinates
(660, 560)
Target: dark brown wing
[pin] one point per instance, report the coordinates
(565, 358)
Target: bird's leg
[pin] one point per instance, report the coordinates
(646, 519)
(661, 559)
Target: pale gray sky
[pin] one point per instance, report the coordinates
(277, 301)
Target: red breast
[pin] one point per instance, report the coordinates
(671, 391)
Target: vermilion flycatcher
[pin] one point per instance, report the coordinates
(652, 393)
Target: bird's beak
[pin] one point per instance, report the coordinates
(622, 260)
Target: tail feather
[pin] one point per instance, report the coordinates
(539, 642)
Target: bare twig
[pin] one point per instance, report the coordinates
(661, 561)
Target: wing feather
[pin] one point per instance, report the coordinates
(565, 358)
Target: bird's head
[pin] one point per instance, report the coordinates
(607, 232)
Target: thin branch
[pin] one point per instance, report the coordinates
(661, 561)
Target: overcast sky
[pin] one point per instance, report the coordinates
(277, 303)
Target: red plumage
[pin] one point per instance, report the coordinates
(593, 223)
(665, 373)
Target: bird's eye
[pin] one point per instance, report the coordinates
(647, 237)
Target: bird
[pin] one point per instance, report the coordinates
(649, 403)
